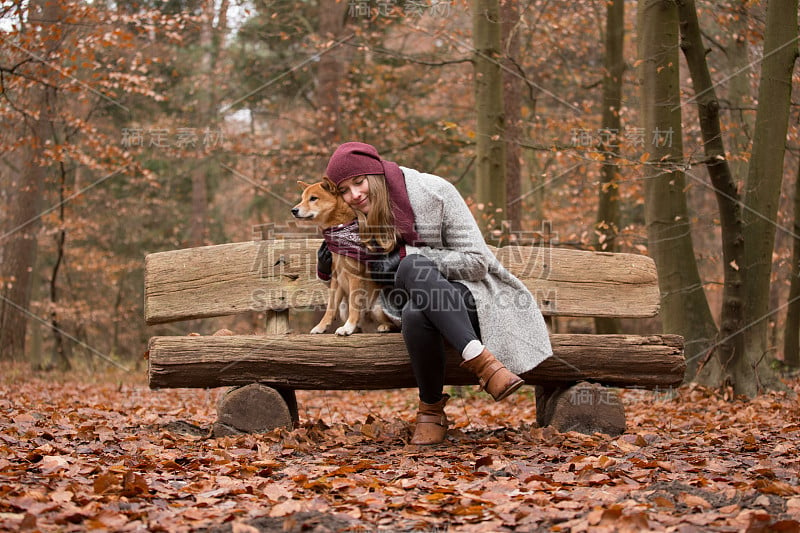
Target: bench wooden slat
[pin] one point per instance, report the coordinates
(380, 361)
(227, 279)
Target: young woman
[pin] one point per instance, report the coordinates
(443, 282)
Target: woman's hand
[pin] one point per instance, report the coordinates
(324, 262)
(383, 269)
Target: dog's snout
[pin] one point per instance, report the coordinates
(295, 211)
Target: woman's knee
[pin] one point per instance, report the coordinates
(413, 268)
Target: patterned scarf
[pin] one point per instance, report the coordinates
(344, 240)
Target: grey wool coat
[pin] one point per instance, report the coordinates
(511, 324)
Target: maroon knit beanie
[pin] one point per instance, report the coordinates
(353, 159)
(360, 159)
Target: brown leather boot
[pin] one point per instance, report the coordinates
(493, 376)
(431, 422)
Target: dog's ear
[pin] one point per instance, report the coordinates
(303, 184)
(329, 186)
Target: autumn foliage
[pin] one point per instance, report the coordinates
(162, 127)
(135, 127)
(104, 452)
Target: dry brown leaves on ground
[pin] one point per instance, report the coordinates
(80, 453)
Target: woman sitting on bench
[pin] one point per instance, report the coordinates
(442, 283)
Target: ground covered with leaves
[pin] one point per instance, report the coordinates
(104, 452)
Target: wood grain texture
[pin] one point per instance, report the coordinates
(228, 279)
(380, 361)
(254, 408)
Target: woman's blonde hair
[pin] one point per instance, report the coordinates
(377, 229)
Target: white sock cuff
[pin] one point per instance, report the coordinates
(472, 350)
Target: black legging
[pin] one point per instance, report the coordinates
(434, 310)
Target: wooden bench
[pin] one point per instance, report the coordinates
(275, 276)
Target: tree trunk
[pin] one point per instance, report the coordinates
(614, 67)
(18, 240)
(791, 339)
(512, 89)
(210, 42)
(607, 225)
(19, 247)
(740, 95)
(61, 350)
(750, 369)
(684, 308)
(204, 114)
(198, 230)
(490, 167)
(330, 71)
(727, 196)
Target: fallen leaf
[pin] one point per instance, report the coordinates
(104, 482)
(286, 508)
(694, 501)
(52, 463)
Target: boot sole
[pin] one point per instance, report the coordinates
(509, 391)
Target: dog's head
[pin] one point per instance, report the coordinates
(322, 205)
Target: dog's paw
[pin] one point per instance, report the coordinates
(318, 329)
(384, 328)
(346, 330)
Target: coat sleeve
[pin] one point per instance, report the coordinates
(463, 254)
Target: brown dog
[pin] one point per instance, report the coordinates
(350, 281)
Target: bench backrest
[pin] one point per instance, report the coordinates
(280, 274)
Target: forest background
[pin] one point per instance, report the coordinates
(136, 127)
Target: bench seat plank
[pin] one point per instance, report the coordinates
(380, 361)
(232, 278)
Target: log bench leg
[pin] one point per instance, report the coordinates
(255, 408)
(584, 407)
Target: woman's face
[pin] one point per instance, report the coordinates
(355, 192)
